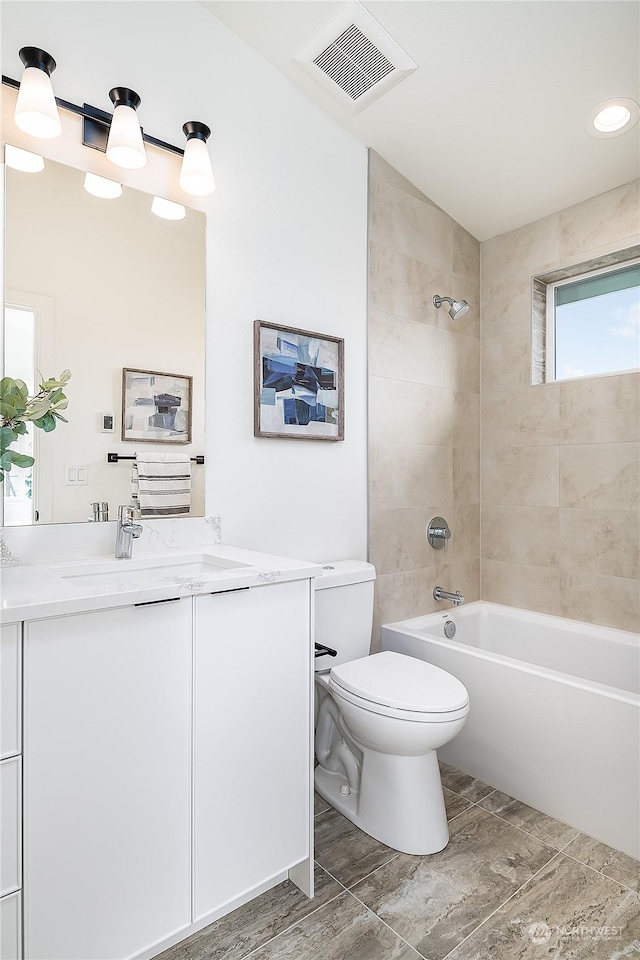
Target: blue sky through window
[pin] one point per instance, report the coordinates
(598, 335)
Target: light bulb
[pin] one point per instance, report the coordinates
(36, 108)
(125, 146)
(196, 174)
(167, 209)
(101, 187)
(23, 160)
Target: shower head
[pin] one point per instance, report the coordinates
(458, 307)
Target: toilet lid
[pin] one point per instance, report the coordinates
(395, 680)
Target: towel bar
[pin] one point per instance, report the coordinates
(117, 457)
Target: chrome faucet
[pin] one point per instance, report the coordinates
(455, 598)
(126, 532)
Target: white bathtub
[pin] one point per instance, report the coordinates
(555, 711)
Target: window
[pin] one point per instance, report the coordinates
(586, 322)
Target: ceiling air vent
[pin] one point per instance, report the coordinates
(355, 58)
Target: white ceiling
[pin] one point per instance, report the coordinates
(491, 126)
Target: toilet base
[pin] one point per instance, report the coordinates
(400, 801)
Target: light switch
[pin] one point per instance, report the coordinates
(76, 475)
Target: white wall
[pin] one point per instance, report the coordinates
(286, 236)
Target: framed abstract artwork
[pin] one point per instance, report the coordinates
(156, 407)
(298, 383)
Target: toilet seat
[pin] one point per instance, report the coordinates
(394, 685)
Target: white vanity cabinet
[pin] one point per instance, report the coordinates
(251, 739)
(107, 799)
(10, 791)
(167, 768)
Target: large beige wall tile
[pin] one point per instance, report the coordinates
(523, 535)
(464, 545)
(527, 476)
(406, 350)
(406, 224)
(609, 601)
(404, 286)
(379, 169)
(506, 362)
(411, 412)
(464, 286)
(600, 410)
(466, 419)
(399, 539)
(466, 474)
(607, 218)
(600, 541)
(521, 252)
(529, 416)
(506, 305)
(604, 475)
(409, 475)
(524, 586)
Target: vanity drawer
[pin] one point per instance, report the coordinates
(11, 927)
(10, 682)
(10, 820)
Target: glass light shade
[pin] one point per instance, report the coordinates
(36, 107)
(167, 209)
(196, 175)
(101, 187)
(23, 160)
(125, 147)
(612, 118)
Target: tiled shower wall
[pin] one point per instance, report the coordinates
(560, 471)
(424, 399)
(560, 475)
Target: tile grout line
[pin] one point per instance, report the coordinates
(620, 883)
(385, 924)
(526, 832)
(366, 876)
(497, 910)
(245, 956)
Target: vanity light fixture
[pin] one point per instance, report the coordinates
(196, 174)
(120, 135)
(124, 144)
(167, 209)
(101, 187)
(36, 109)
(23, 160)
(613, 117)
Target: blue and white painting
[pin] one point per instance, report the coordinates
(297, 382)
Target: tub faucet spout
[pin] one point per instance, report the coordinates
(455, 598)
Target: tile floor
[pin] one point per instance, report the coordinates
(513, 884)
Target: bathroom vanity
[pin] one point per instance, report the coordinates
(161, 774)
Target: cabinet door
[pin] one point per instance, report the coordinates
(10, 821)
(10, 684)
(251, 761)
(107, 781)
(10, 924)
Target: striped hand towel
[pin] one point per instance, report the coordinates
(164, 484)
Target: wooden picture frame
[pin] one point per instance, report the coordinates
(156, 407)
(298, 383)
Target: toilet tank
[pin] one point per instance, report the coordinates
(344, 610)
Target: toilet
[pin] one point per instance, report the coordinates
(379, 720)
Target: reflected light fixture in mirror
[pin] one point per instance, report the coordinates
(196, 174)
(167, 209)
(36, 109)
(101, 187)
(124, 144)
(24, 160)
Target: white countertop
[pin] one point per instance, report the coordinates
(34, 591)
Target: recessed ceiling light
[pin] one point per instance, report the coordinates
(613, 117)
(101, 187)
(23, 159)
(167, 209)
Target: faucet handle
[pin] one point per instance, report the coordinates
(125, 512)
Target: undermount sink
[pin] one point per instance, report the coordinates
(183, 569)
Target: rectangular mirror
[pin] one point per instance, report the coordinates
(96, 286)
